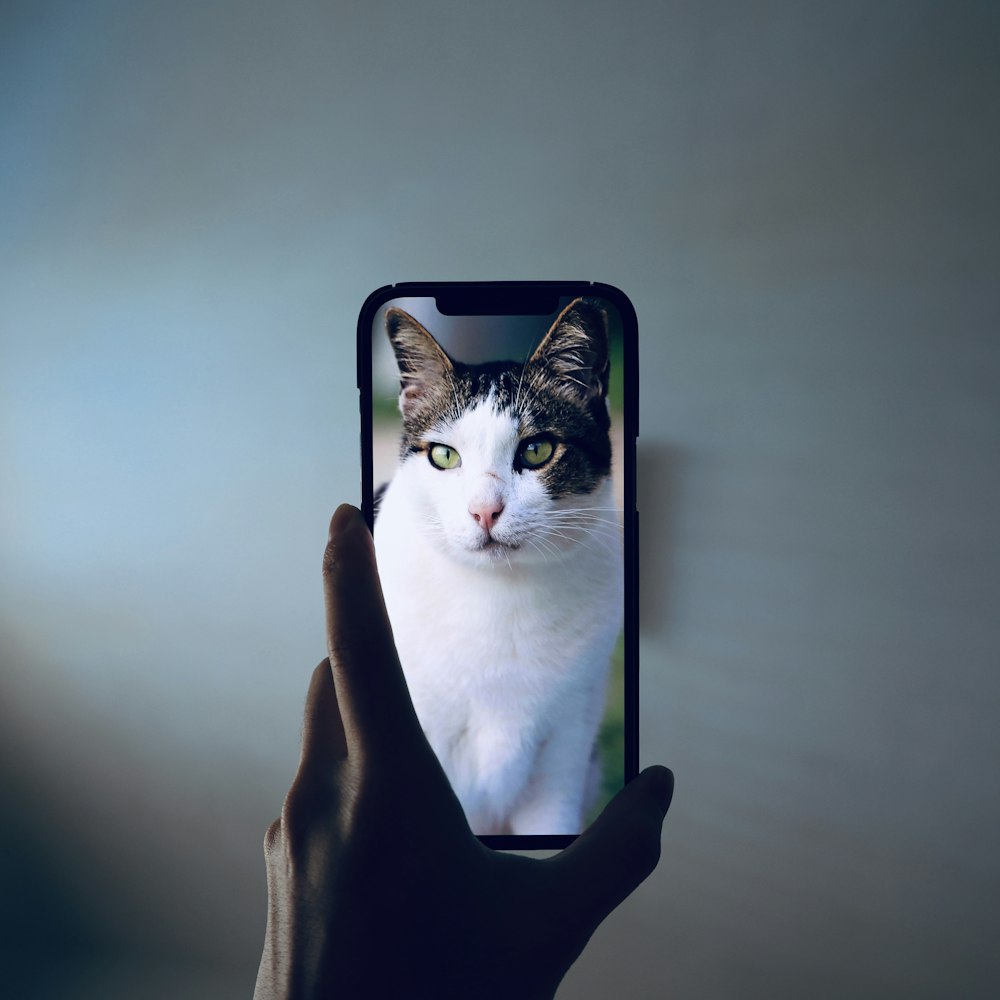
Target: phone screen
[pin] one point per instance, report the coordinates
(498, 452)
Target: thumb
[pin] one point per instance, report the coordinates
(618, 850)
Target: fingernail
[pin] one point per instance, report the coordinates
(338, 545)
(344, 519)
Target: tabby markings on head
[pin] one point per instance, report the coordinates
(559, 396)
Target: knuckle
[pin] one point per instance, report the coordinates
(294, 833)
(306, 809)
(330, 560)
(651, 855)
(272, 840)
(341, 652)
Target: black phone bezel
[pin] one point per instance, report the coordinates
(529, 298)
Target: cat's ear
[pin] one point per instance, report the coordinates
(575, 350)
(423, 365)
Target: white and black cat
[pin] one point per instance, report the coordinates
(500, 556)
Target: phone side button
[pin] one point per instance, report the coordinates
(635, 551)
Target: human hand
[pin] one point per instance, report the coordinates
(376, 885)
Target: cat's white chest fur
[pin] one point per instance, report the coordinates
(507, 661)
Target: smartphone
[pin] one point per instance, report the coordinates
(499, 423)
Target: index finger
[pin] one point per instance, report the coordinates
(374, 701)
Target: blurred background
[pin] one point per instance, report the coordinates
(801, 201)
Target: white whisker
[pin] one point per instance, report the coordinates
(604, 543)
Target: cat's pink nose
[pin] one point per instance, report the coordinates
(486, 514)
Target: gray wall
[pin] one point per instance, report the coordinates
(801, 201)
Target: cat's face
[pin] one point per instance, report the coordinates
(502, 461)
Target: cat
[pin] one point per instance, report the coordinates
(500, 555)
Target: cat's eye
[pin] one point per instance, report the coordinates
(444, 457)
(534, 453)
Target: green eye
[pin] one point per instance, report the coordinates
(535, 453)
(444, 457)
